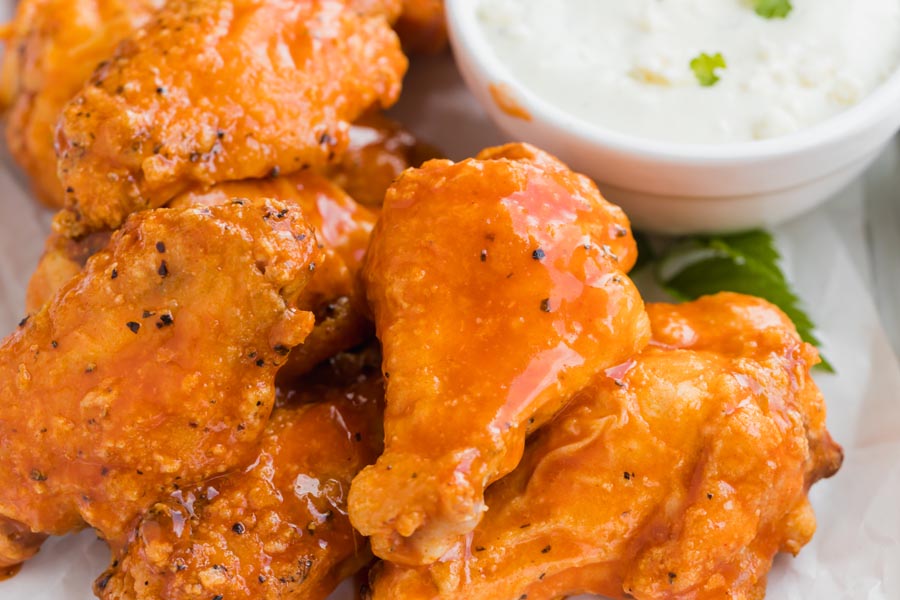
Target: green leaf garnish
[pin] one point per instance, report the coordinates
(747, 263)
(704, 67)
(773, 9)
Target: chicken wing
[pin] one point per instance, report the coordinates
(278, 529)
(422, 27)
(154, 367)
(379, 151)
(342, 227)
(498, 288)
(52, 48)
(219, 90)
(678, 475)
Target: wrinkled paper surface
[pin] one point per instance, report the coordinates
(855, 554)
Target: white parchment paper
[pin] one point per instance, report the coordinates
(855, 554)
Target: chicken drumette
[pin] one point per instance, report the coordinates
(676, 475)
(498, 288)
(152, 368)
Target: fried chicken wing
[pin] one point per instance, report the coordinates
(379, 151)
(342, 227)
(498, 288)
(153, 367)
(422, 27)
(219, 90)
(52, 48)
(278, 529)
(679, 474)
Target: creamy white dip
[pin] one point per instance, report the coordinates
(625, 64)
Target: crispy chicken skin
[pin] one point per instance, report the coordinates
(498, 289)
(154, 367)
(678, 475)
(342, 228)
(219, 90)
(63, 259)
(422, 27)
(379, 151)
(52, 48)
(17, 544)
(278, 529)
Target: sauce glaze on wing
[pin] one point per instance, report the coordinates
(679, 474)
(52, 48)
(154, 367)
(276, 529)
(498, 288)
(220, 90)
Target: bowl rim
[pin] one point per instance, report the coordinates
(466, 37)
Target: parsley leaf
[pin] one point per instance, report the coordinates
(746, 263)
(704, 67)
(773, 9)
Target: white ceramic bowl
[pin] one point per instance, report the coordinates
(684, 188)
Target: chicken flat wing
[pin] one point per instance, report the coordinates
(678, 475)
(219, 90)
(52, 48)
(342, 227)
(278, 529)
(379, 151)
(152, 368)
(422, 27)
(498, 288)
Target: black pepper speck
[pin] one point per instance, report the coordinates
(165, 320)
